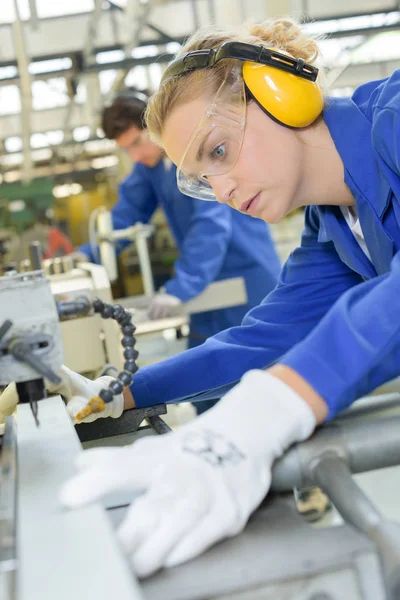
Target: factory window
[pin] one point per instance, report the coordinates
(39, 140)
(10, 100)
(50, 93)
(80, 134)
(137, 77)
(47, 66)
(383, 46)
(13, 143)
(54, 137)
(144, 51)
(106, 79)
(110, 56)
(8, 72)
(47, 138)
(11, 159)
(50, 8)
(349, 23)
(7, 13)
(332, 49)
(42, 155)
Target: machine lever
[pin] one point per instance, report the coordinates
(21, 350)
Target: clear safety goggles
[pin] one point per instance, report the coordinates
(215, 144)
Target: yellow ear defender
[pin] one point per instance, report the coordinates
(283, 86)
(287, 98)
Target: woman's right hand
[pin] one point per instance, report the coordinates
(76, 391)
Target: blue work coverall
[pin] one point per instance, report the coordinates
(214, 242)
(334, 316)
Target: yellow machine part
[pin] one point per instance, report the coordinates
(76, 210)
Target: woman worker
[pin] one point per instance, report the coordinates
(242, 116)
(213, 241)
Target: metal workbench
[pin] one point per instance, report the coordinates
(73, 554)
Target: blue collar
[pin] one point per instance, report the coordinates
(351, 132)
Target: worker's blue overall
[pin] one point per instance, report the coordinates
(335, 315)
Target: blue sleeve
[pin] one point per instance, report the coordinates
(356, 347)
(204, 250)
(312, 280)
(136, 203)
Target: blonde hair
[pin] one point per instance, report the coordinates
(281, 34)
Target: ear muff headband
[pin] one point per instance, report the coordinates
(284, 87)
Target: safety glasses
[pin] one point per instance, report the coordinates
(215, 144)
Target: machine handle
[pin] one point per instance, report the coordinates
(331, 473)
(21, 350)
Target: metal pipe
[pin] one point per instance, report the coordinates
(34, 20)
(159, 425)
(26, 92)
(364, 445)
(211, 11)
(195, 13)
(137, 13)
(144, 263)
(88, 46)
(334, 477)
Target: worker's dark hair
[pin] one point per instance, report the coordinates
(127, 109)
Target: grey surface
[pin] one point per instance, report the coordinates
(8, 499)
(277, 557)
(64, 555)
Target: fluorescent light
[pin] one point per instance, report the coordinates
(13, 143)
(145, 51)
(11, 159)
(8, 72)
(350, 23)
(12, 176)
(47, 66)
(42, 154)
(110, 56)
(97, 146)
(104, 162)
(39, 140)
(344, 92)
(172, 47)
(67, 189)
(16, 206)
(81, 134)
(55, 137)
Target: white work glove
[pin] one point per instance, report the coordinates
(76, 391)
(163, 305)
(201, 483)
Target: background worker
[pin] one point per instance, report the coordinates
(215, 243)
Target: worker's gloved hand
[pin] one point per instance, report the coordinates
(76, 391)
(163, 305)
(201, 483)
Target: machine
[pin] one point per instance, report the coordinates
(47, 553)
